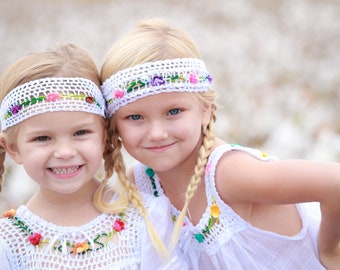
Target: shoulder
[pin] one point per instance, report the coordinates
(238, 169)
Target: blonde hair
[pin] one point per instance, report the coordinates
(65, 60)
(154, 40)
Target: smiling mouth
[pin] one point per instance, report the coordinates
(159, 148)
(61, 171)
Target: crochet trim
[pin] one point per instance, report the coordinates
(172, 75)
(214, 210)
(36, 239)
(50, 95)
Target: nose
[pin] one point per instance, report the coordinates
(64, 149)
(157, 131)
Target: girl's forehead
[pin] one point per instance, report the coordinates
(51, 120)
(164, 99)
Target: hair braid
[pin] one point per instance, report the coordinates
(135, 197)
(120, 204)
(204, 152)
(114, 162)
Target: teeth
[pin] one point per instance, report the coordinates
(64, 170)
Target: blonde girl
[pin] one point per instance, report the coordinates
(53, 123)
(233, 207)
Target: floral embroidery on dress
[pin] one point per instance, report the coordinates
(36, 239)
(214, 219)
(80, 247)
(214, 209)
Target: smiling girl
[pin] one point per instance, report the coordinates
(234, 207)
(53, 124)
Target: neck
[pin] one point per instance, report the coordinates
(175, 181)
(65, 209)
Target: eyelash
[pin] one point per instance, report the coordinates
(82, 132)
(41, 138)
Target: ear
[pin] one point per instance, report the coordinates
(206, 114)
(11, 149)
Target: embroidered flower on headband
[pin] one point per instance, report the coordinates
(51, 97)
(172, 75)
(50, 94)
(193, 78)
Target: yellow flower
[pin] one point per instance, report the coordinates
(9, 214)
(215, 211)
(264, 154)
(80, 247)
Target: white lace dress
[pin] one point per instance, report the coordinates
(108, 242)
(223, 240)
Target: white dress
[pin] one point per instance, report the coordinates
(223, 240)
(107, 242)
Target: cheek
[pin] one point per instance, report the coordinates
(128, 135)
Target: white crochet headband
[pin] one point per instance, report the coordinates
(50, 95)
(174, 75)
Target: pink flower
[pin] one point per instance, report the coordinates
(118, 93)
(35, 238)
(207, 168)
(52, 97)
(118, 225)
(193, 78)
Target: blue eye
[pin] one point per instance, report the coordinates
(174, 111)
(135, 117)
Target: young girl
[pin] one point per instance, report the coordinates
(236, 207)
(52, 122)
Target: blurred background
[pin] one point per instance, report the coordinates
(275, 64)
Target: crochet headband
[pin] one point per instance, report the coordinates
(174, 75)
(50, 95)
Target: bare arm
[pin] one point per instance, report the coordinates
(241, 178)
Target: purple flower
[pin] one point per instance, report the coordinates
(210, 79)
(15, 109)
(157, 80)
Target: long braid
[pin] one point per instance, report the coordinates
(114, 162)
(120, 204)
(204, 152)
